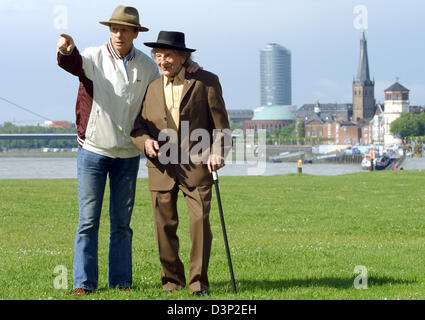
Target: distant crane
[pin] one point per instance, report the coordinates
(25, 109)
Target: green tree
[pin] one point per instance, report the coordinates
(236, 125)
(407, 125)
(10, 128)
(421, 121)
(301, 129)
(288, 131)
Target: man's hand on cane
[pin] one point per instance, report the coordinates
(215, 162)
(65, 44)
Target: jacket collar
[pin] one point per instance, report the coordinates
(160, 96)
(116, 55)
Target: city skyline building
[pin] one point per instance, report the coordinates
(363, 87)
(396, 102)
(275, 75)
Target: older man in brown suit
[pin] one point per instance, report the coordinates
(184, 132)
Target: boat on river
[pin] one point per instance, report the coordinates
(379, 163)
(287, 156)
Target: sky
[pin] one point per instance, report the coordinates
(322, 35)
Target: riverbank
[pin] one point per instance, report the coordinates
(38, 154)
(66, 167)
(63, 165)
(291, 237)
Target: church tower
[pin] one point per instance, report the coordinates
(396, 102)
(363, 87)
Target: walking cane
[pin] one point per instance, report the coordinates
(226, 243)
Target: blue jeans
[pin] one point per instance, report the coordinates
(92, 172)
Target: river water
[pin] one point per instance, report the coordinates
(53, 168)
(59, 168)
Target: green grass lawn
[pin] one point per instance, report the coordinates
(291, 237)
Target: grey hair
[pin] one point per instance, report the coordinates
(184, 54)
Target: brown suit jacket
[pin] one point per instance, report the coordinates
(202, 107)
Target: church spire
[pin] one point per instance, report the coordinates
(363, 87)
(363, 71)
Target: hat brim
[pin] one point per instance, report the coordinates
(108, 23)
(167, 46)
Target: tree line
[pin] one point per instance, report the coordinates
(10, 128)
(409, 125)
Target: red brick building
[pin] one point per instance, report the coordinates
(60, 124)
(331, 122)
(336, 132)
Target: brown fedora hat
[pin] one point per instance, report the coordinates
(170, 40)
(126, 16)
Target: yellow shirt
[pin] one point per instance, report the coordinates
(173, 91)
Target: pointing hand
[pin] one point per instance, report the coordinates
(65, 44)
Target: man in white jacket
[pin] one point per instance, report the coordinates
(113, 81)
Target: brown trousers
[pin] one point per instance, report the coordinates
(164, 203)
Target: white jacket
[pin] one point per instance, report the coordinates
(109, 97)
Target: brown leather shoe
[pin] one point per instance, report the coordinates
(81, 292)
(126, 289)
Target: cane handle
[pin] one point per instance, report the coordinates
(215, 176)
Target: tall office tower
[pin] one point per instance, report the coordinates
(363, 87)
(275, 70)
